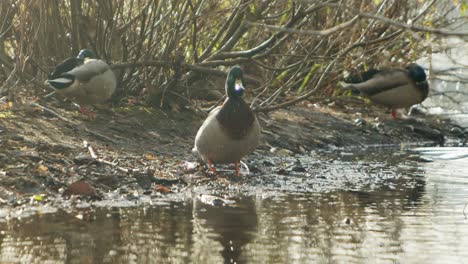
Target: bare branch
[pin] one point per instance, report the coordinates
(438, 31)
(324, 32)
(299, 98)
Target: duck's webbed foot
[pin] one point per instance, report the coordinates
(211, 167)
(85, 111)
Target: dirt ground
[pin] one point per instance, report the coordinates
(146, 150)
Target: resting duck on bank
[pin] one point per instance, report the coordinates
(231, 130)
(83, 79)
(394, 88)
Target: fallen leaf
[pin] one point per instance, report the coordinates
(42, 170)
(162, 189)
(6, 105)
(6, 114)
(80, 188)
(148, 156)
(38, 197)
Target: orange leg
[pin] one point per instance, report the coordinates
(236, 163)
(85, 111)
(210, 165)
(394, 114)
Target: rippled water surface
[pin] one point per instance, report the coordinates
(375, 207)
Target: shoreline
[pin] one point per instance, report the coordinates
(148, 151)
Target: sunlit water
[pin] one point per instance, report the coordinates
(377, 207)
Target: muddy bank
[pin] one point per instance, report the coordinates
(135, 151)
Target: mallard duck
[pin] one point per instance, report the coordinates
(83, 79)
(231, 130)
(394, 88)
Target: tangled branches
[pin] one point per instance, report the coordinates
(177, 50)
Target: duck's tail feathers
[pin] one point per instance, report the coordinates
(60, 82)
(348, 86)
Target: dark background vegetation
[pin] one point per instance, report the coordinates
(172, 52)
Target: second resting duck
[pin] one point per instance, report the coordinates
(393, 88)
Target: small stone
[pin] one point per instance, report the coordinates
(282, 171)
(284, 153)
(359, 122)
(379, 125)
(299, 168)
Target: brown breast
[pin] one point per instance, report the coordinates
(236, 118)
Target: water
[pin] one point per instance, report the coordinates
(371, 208)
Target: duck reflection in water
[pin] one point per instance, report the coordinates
(233, 226)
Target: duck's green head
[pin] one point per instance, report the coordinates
(235, 82)
(416, 72)
(86, 54)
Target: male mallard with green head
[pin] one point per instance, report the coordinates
(231, 130)
(83, 79)
(394, 88)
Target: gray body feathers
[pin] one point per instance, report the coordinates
(214, 144)
(91, 82)
(391, 88)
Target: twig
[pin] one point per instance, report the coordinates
(8, 80)
(214, 63)
(216, 72)
(52, 112)
(49, 94)
(464, 210)
(244, 53)
(99, 135)
(299, 98)
(194, 31)
(90, 149)
(408, 26)
(413, 27)
(154, 63)
(222, 30)
(200, 67)
(118, 155)
(324, 32)
(96, 158)
(453, 100)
